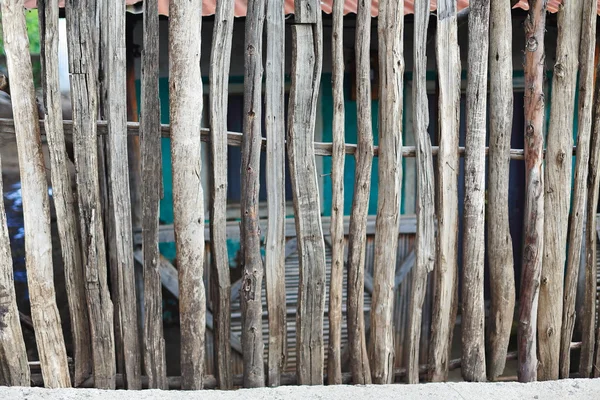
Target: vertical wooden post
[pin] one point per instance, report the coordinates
(499, 243)
(558, 189)
(533, 229)
(334, 358)
(473, 310)
(154, 342)
(425, 239)
(359, 363)
(36, 204)
(588, 318)
(580, 190)
(62, 191)
(118, 173)
(185, 83)
(391, 64)
(307, 45)
(252, 342)
(14, 370)
(275, 241)
(84, 98)
(446, 272)
(219, 84)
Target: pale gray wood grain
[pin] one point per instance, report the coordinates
(120, 197)
(155, 363)
(359, 363)
(425, 239)
(62, 192)
(185, 82)
(473, 308)
(391, 73)
(253, 268)
(334, 359)
(499, 240)
(557, 186)
(275, 241)
(36, 204)
(219, 83)
(307, 45)
(445, 299)
(580, 189)
(533, 225)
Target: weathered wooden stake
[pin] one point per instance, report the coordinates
(533, 229)
(446, 272)
(154, 341)
(185, 82)
(36, 204)
(359, 363)
(14, 370)
(391, 65)
(334, 358)
(557, 189)
(84, 98)
(118, 173)
(499, 243)
(580, 190)
(425, 239)
(473, 309)
(63, 193)
(252, 342)
(219, 84)
(275, 241)
(588, 318)
(307, 48)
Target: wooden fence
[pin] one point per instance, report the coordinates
(99, 244)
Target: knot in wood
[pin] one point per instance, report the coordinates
(251, 49)
(559, 70)
(550, 331)
(529, 131)
(532, 44)
(560, 157)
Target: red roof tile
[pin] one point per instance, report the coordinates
(350, 6)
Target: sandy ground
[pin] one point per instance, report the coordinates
(580, 389)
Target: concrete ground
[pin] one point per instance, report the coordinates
(579, 389)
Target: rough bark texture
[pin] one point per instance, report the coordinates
(185, 83)
(14, 370)
(391, 70)
(334, 358)
(588, 317)
(499, 240)
(154, 342)
(425, 239)
(219, 82)
(62, 192)
(118, 180)
(557, 189)
(446, 271)
(252, 342)
(275, 241)
(359, 363)
(473, 309)
(533, 229)
(36, 204)
(577, 218)
(84, 97)
(307, 45)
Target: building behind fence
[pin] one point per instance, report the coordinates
(374, 193)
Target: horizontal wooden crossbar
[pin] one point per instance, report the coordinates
(7, 129)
